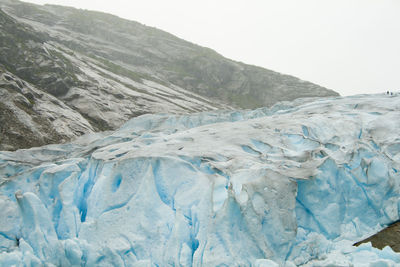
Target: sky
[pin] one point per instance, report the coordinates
(350, 46)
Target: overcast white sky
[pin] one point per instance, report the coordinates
(350, 46)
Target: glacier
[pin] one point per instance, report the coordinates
(292, 185)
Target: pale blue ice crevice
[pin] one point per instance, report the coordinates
(10, 224)
(175, 181)
(207, 164)
(56, 196)
(250, 150)
(116, 184)
(152, 189)
(262, 147)
(365, 181)
(38, 230)
(26, 178)
(172, 176)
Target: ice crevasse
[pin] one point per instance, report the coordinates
(292, 185)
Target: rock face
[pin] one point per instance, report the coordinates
(32, 117)
(292, 185)
(110, 69)
(389, 236)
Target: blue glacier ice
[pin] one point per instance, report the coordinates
(292, 185)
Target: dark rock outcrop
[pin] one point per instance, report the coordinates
(389, 236)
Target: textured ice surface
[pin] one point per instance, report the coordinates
(293, 185)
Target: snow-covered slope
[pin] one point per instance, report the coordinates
(296, 184)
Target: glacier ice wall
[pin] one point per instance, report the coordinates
(296, 184)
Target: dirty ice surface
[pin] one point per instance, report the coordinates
(293, 185)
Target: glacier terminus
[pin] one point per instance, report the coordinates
(296, 184)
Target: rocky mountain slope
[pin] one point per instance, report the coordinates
(109, 69)
(31, 117)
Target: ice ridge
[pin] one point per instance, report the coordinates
(293, 185)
